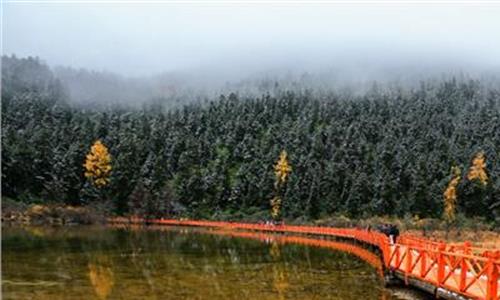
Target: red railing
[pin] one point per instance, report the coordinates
(465, 247)
(470, 275)
(460, 268)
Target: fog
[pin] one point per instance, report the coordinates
(217, 43)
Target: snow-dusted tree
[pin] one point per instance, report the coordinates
(450, 195)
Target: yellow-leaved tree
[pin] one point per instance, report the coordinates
(98, 165)
(478, 169)
(450, 195)
(275, 206)
(282, 169)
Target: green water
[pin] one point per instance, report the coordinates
(176, 263)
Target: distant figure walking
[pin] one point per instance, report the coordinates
(391, 231)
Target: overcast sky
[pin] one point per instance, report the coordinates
(136, 40)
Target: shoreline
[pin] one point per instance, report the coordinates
(14, 213)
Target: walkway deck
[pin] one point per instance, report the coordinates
(461, 269)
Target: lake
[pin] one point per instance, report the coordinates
(99, 262)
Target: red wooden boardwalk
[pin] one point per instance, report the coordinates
(463, 269)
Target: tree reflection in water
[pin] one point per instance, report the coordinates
(101, 276)
(280, 278)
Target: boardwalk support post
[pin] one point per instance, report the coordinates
(492, 288)
(440, 265)
(464, 267)
(423, 264)
(408, 264)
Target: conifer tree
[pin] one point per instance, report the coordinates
(475, 190)
(478, 169)
(281, 171)
(450, 195)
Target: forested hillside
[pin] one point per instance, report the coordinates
(386, 152)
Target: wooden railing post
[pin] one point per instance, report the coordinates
(397, 248)
(492, 274)
(388, 253)
(440, 264)
(464, 267)
(408, 263)
(423, 263)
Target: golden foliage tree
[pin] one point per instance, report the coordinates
(281, 171)
(98, 164)
(275, 207)
(450, 195)
(478, 169)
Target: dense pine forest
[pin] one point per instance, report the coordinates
(389, 151)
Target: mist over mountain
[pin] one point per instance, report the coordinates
(86, 87)
(131, 54)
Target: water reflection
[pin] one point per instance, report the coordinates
(280, 281)
(177, 263)
(101, 276)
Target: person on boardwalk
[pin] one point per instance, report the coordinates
(393, 233)
(390, 230)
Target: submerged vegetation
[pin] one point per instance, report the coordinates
(386, 152)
